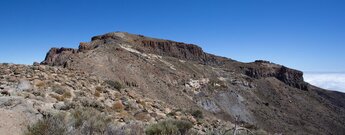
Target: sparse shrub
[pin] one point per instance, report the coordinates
(114, 84)
(57, 97)
(131, 84)
(79, 116)
(118, 106)
(128, 129)
(171, 114)
(141, 102)
(163, 128)
(52, 125)
(142, 116)
(38, 93)
(67, 94)
(69, 105)
(58, 89)
(97, 94)
(99, 88)
(61, 91)
(94, 125)
(86, 102)
(198, 114)
(216, 84)
(174, 112)
(249, 126)
(40, 84)
(82, 121)
(260, 132)
(80, 93)
(169, 127)
(89, 121)
(131, 106)
(242, 131)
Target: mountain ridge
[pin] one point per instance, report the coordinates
(260, 93)
(178, 50)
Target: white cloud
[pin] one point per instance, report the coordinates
(330, 81)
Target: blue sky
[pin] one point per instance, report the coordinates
(308, 35)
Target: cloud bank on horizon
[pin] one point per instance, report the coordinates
(329, 81)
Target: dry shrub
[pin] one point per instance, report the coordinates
(117, 95)
(97, 94)
(67, 94)
(141, 102)
(169, 127)
(260, 132)
(223, 131)
(197, 114)
(89, 121)
(40, 84)
(128, 129)
(38, 93)
(58, 89)
(82, 121)
(99, 88)
(57, 97)
(142, 116)
(52, 125)
(118, 106)
(114, 84)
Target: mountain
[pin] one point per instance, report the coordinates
(180, 76)
(261, 93)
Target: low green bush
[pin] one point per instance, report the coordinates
(198, 114)
(114, 84)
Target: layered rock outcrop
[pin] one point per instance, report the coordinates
(84, 46)
(174, 49)
(264, 69)
(59, 56)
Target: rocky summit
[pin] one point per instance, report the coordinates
(136, 81)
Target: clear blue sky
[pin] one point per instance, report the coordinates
(304, 34)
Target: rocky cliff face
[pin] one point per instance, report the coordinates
(157, 46)
(289, 76)
(175, 49)
(148, 45)
(260, 94)
(59, 56)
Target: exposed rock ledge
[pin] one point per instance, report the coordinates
(264, 69)
(59, 57)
